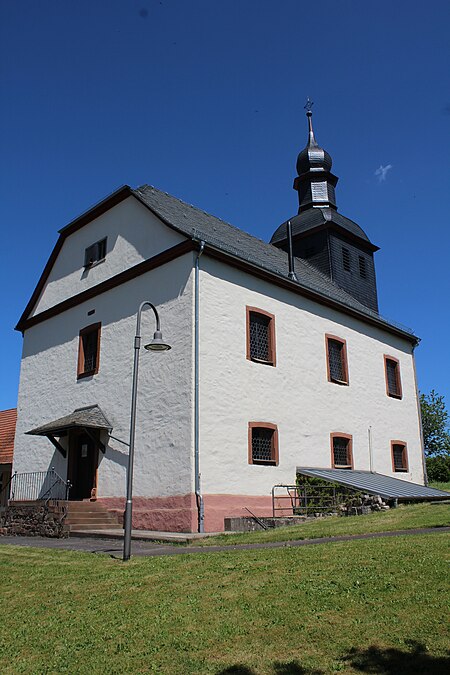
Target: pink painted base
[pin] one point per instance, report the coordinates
(161, 514)
(218, 507)
(179, 513)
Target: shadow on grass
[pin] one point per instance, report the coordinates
(397, 662)
(373, 660)
(278, 668)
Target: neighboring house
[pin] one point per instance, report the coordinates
(7, 430)
(294, 367)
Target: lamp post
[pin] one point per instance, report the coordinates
(156, 345)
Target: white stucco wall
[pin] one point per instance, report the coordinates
(295, 394)
(133, 234)
(49, 388)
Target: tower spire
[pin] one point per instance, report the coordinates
(312, 143)
(315, 183)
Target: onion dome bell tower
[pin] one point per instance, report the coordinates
(332, 243)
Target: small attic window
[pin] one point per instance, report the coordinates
(95, 253)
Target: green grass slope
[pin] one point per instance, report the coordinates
(375, 606)
(428, 514)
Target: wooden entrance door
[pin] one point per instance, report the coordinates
(83, 462)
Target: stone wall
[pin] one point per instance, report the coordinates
(34, 520)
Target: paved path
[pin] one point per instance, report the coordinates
(113, 547)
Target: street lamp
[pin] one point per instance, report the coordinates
(156, 345)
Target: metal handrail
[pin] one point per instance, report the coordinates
(296, 500)
(6, 490)
(38, 486)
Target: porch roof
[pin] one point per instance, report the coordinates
(90, 417)
(376, 484)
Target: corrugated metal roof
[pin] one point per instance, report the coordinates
(8, 420)
(376, 484)
(92, 417)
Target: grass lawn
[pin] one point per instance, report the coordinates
(441, 486)
(374, 606)
(428, 514)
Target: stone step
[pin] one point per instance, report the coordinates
(88, 514)
(86, 506)
(83, 526)
(92, 520)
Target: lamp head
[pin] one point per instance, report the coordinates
(157, 344)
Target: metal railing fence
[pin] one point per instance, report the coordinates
(303, 500)
(38, 486)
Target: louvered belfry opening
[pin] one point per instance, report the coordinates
(341, 454)
(336, 360)
(260, 343)
(262, 445)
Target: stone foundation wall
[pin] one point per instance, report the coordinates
(33, 521)
(250, 524)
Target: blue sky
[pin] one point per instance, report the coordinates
(204, 99)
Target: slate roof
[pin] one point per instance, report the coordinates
(314, 217)
(91, 416)
(376, 484)
(195, 223)
(8, 419)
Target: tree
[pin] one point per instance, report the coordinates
(435, 419)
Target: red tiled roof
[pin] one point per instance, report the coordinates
(8, 420)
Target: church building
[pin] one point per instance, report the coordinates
(280, 361)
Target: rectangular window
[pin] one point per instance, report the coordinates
(392, 373)
(341, 451)
(89, 350)
(262, 443)
(399, 456)
(346, 259)
(260, 336)
(337, 367)
(95, 253)
(362, 267)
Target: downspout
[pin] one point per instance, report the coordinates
(198, 494)
(292, 276)
(419, 413)
(369, 431)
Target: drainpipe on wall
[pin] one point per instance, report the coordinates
(369, 431)
(419, 413)
(198, 495)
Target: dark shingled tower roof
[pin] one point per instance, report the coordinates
(315, 185)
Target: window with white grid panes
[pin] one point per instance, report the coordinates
(263, 443)
(392, 373)
(336, 360)
(399, 456)
(260, 336)
(341, 449)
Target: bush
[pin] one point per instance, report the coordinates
(322, 496)
(438, 468)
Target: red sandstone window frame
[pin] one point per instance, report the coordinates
(405, 467)
(272, 360)
(84, 332)
(344, 360)
(399, 393)
(275, 447)
(349, 438)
